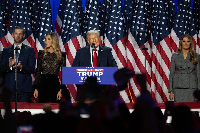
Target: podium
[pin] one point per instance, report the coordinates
(78, 75)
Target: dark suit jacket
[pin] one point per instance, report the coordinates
(105, 57)
(27, 58)
(2, 78)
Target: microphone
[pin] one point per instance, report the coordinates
(144, 48)
(93, 45)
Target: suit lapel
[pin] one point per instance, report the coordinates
(100, 52)
(88, 56)
(11, 51)
(22, 51)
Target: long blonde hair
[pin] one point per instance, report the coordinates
(55, 45)
(193, 56)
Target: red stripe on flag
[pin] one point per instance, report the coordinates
(68, 54)
(160, 70)
(58, 28)
(76, 43)
(130, 66)
(173, 45)
(168, 41)
(119, 55)
(139, 63)
(195, 43)
(163, 55)
(198, 42)
(33, 45)
(4, 42)
(9, 44)
(137, 60)
(73, 91)
(159, 88)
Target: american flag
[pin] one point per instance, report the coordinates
(139, 37)
(161, 53)
(60, 17)
(196, 14)
(169, 6)
(29, 5)
(7, 7)
(104, 16)
(3, 41)
(45, 24)
(34, 15)
(81, 15)
(115, 39)
(128, 11)
(71, 37)
(92, 21)
(20, 18)
(183, 24)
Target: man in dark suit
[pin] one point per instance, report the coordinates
(25, 66)
(84, 56)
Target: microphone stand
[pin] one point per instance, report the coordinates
(16, 52)
(92, 46)
(92, 54)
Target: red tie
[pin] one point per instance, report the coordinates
(95, 58)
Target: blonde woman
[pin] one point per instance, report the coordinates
(182, 79)
(47, 86)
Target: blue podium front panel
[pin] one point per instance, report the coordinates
(78, 75)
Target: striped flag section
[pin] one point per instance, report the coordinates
(115, 39)
(161, 53)
(139, 38)
(71, 38)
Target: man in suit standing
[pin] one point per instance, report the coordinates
(25, 66)
(94, 55)
(85, 56)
